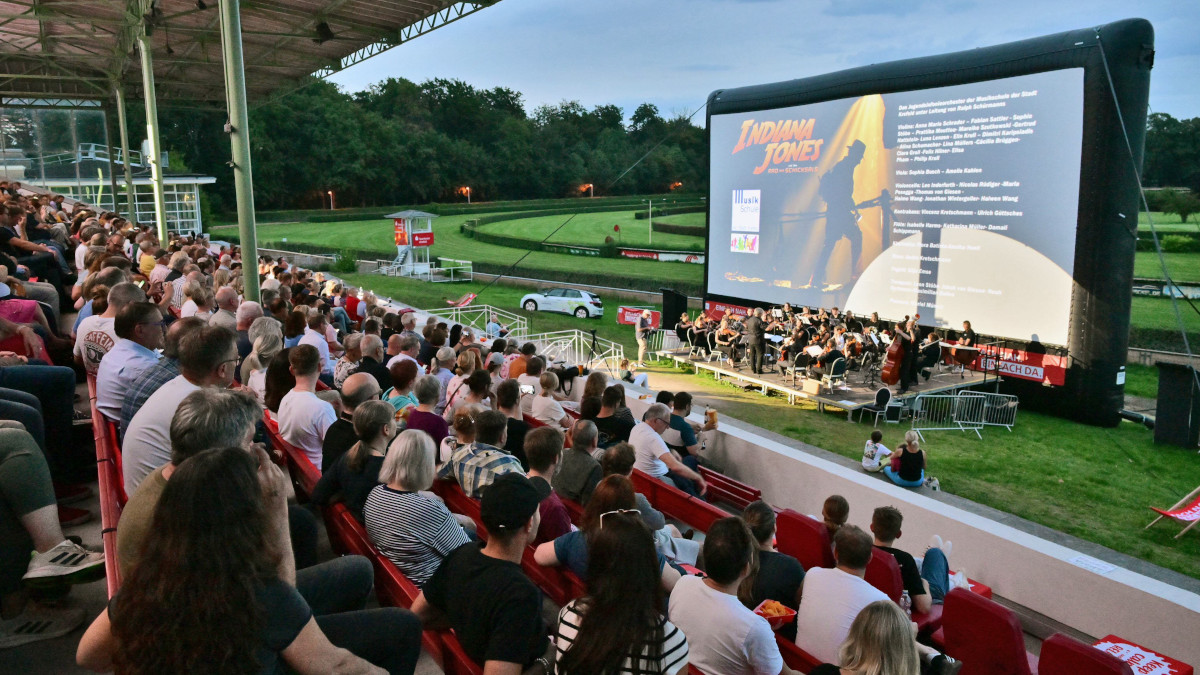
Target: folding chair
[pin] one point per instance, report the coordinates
(883, 398)
(836, 375)
(799, 365)
(1189, 514)
(985, 636)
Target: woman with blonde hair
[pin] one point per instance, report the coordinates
(912, 462)
(880, 643)
(356, 472)
(457, 388)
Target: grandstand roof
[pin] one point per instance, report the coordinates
(52, 49)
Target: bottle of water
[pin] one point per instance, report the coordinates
(906, 604)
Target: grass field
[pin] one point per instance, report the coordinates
(376, 235)
(685, 219)
(1158, 313)
(590, 229)
(1183, 267)
(1168, 222)
(1092, 483)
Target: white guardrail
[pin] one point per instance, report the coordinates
(577, 347)
(476, 318)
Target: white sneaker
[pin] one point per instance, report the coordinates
(936, 542)
(68, 561)
(39, 623)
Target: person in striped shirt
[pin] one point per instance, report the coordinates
(413, 530)
(618, 627)
(475, 466)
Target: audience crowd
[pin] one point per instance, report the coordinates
(220, 568)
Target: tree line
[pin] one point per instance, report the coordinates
(400, 142)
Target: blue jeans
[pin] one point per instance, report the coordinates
(54, 388)
(339, 585)
(341, 318)
(900, 481)
(936, 570)
(685, 484)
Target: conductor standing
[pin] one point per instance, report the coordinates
(756, 340)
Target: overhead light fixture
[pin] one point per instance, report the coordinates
(324, 33)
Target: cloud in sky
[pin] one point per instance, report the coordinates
(673, 53)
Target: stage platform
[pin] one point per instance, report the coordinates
(855, 394)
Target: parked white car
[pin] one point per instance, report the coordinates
(582, 304)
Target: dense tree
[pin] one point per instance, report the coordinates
(1172, 152)
(401, 142)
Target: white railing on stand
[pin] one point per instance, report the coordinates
(476, 317)
(583, 348)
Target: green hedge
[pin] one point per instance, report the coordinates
(1176, 242)
(686, 207)
(1163, 339)
(688, 230)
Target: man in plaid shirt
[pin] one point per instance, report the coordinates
(476, 465)
(160, 373)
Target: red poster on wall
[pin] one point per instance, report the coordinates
(422, 239)
(628, 316)
(401, 232)
(716, 310)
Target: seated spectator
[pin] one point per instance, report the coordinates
(247, 313)
(314, 335)
(303, 416)
(912, 463)
(628, 373)
(481, 592)
(926, 583)
(423, 417)
(29, 523)
(494, 328)
(462, 434)
(618, 627)
(544, 448)
(294, 326)
(618, 460)
(349, 361)
(409, 348)
(723, 635)
(834, 513)
(372, 361)
(681, 437)
(656, 459)
(531, 383)
(456, 387)
(831, 598)
(162, 618)
(476, 465)
(613, 429)
(441, 368)
(478, 387)
(666, 398)
(612, 496)
(414, 530)
(875, 453)
(340, 436)
(353, 474)
(140, 331)
(404, 374)
(163, 371)
(777, 576)
(508, 401)
(97, 334)
(594, 385)
(207, 357)
(519, 365)
(579, 472)
(622, 411)
(589, 408)
(544, 408)
(226, 299)
(880, 641)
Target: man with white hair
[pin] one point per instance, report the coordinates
(642, 333)
(226, 261)
(656, 459)
(98, 334)
(373, 360)
(227, 304)
(246, 313)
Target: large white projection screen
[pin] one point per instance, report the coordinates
(956, 203)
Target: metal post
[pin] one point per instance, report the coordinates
(239, 141)
(112, 167)
(130, 199)
(155, 158)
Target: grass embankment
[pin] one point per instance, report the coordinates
(1092, 483)
(1183, 267)
(590, 229)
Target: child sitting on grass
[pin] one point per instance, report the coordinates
(875, 454)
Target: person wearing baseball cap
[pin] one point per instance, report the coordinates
(481, 591)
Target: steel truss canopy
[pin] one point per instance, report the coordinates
(82, 49)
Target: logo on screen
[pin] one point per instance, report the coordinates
(746, 206)
(744, 243)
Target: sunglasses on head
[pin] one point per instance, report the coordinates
(618, 511)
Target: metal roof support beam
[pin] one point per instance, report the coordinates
(130, 201)
(155, 158)
(239, 141)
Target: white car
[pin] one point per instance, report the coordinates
(582, 304)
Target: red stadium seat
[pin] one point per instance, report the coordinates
(676, 503)
(1063, 655)
(985, 636)
(803, 538)
(304, 473)
(112, 438)
(110, 515)
(883, 572)
(722, 488)
(795, 657)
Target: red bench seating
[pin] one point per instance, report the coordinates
(676, 503)
(795, 657)
(722, 488)
(883, 572)
(111, 487)
(803, 538)
(1063, 655)
(984, 635)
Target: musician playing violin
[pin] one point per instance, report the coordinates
(728, 339)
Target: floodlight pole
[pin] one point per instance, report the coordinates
(130, 201)
(155, 158)
(239, 141)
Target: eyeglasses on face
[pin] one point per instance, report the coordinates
(618, 511)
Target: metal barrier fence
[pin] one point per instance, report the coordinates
(999, 410)
(947, 412)
(476, 317)
(576, 347)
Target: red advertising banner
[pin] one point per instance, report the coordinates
(1044, 368)
(401, 232)
(663, 256)
(628, 316)
(647, 255)
(422, 239)
(1143, 661)
(716, 310)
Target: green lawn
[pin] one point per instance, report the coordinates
(376, 235)
(1184, 267)
(590, 229)
(1158, 313)
(685, 219)
(1093, 483)
(425, 295)
(1168, 222)
(1141, 380)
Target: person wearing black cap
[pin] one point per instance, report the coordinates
(480, 590)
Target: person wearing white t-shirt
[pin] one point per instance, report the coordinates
(723, 636)
(875, 452)
(314, 335)
(656, 459)
(532, 377)
(410, 346)
(831, 598)
(207, 358)
(545, 409)
(96, 335)
(303, 416)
